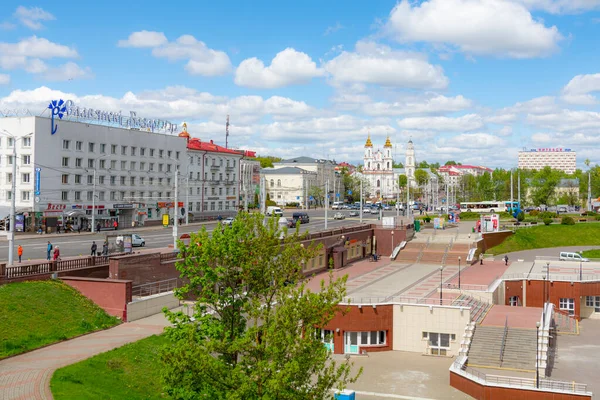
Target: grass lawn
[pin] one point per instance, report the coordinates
(130, 372)
(34, 314)
(591, 253)
(554, 235)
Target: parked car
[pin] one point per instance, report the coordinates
(387, 207)
(136, 240)
(366, 210)
(354, 213)
(339, 215)
(228, 221)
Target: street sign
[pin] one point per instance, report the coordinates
(297, 197)
(337, 195)
(311, 198)
(350, 192)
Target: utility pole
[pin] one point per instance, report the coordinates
(326, 200)
(361, 201)
(175, 209)
(407, 198)
(589, 190)
(511, 191)
(398, 203)
(263, 197)
(519, 187)
(227, 132)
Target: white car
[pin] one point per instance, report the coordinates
(136, 240)
(339, 215)
(228, 221)
(366, 211)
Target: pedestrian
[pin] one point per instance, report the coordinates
(56, 254)
(48, 250)
(94, 248)
(506, 259)
(58, 229)
(20, 252)
(115, 225)
(79, 228)
(105, 249)
(480, 258)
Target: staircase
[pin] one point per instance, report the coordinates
(410, 253)
(519, 350)
(478, 308)
(486, 346)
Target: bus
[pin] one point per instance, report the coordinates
(489, 206)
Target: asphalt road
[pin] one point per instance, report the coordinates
(155, 237)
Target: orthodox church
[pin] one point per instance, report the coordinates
(378, 169)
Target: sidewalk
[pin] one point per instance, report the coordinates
(27, 376)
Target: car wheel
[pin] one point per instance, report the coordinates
(143, 244)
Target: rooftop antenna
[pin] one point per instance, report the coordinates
(227, 132)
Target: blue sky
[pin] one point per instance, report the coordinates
(469, 80)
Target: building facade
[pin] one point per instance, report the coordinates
(452, 174)
(289, 184)
(556, 158)
(250, 182)
(325, 173)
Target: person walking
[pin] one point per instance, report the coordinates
(480, 258)
(56, 254)
(48, 250)
(20, 252)
(94, 248)
(98, 227)
(506, 259)
(115, 225)
(105, 249)
(79, 228)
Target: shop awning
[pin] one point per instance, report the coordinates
(75, 213)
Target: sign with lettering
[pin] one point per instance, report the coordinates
(56, 207)
(549, 149)
(123, 206)
(37, 183)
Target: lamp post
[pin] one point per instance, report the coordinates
(187, 191)
(175, 204)
(458, 272)
(94, 197)
(11, 232)
(392, 241)
(537, 354)
(441, 282)
(580, 267)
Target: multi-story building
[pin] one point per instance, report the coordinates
(289, 184)
(452, 174)
(325, 170)
(556, 158)
(250, 180)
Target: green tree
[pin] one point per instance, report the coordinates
(317, 193)
(421, 177)
(451, 163)
(544, 184)
(267, 161)
(253, 332)
(402, 181)
(423, 164)
(398, 165)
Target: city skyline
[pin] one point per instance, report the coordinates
(315, 79)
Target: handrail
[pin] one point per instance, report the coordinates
(503, 340)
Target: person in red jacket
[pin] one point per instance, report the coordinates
(56, 253)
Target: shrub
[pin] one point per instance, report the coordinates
(270, 203)
(533, 213)
(547, 214)
(567, 221)
(547, 221)
(520, 216)
(427, 219)
(293, 204)
(597, 217)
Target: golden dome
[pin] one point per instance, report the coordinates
(388, 143)
(184, 133)
(369, 143)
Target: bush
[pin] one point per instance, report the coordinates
(293, 204)
(534, 213)
(270, 203)
(567, 221)
(427, 219)
(547, 221)
(597, 217)
(520, 216)
(547, 214)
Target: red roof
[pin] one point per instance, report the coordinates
(445, 167)
(196, 144)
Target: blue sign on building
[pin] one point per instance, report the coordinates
(37, 184)
(59, 108)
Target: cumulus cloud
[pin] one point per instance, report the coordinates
(478, 27)
(373, 63)
(473, 141)
(32, 17)
(432, 104)
(561, 6)
(538, 105)
(466, 122)
(578, 90)
(144, 39)
(567, 121)
(288, 67)
(68, 71)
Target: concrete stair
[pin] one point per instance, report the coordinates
(519, 350)
(478, 308)
(410, 253)
(485, 346)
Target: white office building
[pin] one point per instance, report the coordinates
(325, 171)
(287, 185)
(554, 157)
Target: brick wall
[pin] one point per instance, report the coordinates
(111, 295)
(384, 239)
(142, 268)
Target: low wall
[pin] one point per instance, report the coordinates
(386, 241)
(110, 294)
(491, 239)
(142, 268)
(146, 306)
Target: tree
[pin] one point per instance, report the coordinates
(402, 181)
(267, 161)
(421, 177)
(253, 335)
(397, 165)
(317, 193)
(544, 184)
(423, 164)
(451, 163)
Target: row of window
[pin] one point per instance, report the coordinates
(25, 159)
(438, 343)
(213, 162)
(593, 301)
(25, 142)
(114, 149)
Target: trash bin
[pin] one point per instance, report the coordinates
(417, 225)
(345, 394)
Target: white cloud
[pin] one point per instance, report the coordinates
(32, 17)
(567, 121)
(501, 118)
(467, 122)
(372, 63)
(505, 131)
(7, 26)
(4, 79)
(561, 6)
(289, 67)
(144, 39)
(430, 105)
(67, 72)
(202, 59)
(479, 141)
(36, 47)
(578, 90)
(284, 107)
(486, 27)
(538, 105)
(333, 29)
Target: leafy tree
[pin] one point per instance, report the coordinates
(451, 163)
(544, 185)
(402, 181)
(421, 177)
(317, 193)
(397, 165)
(253, 332)
(267, 161)
(423, 164)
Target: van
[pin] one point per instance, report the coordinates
(301, 217)
(274, 210)
(337, 205)
(569, 256)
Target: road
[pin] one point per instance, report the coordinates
(34, 247)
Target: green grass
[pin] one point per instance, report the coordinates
(130, 372)
(591, 253)
(554, 235)
(35, 314)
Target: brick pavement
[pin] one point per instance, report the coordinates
(27, 376)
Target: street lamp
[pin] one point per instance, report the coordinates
(187, 190)
(580, 267)
(441, 282)
(176, 204)
(458, 272)
(392, 241)
(11, 232)
(537, 354)
(94, 196)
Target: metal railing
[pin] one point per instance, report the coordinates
(398, 300)
(149, 289)
(504, 334)
(553, 277)
(477, 288)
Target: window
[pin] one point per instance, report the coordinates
(272, 183)
(122, 181)
(121, 195)
(160, 181)
(10, 160)
(161, 153)
(89, 196)
(102, 164)
(169, 152)
(151, 181)
(90, 179)
(278, 182)
(133, 150)
(25, 178)
(91, 163)
(220, 191)
(77, 195)
(151, 152)
(66, 144)
(151, 166)
(25, 195)
(113, 195)
(113, 164)
(65, 179)
(113, 149)
(169, 195)
(102, 148)
(438, 343)
(177, 155)
(132, 165)
(9, 195)
(78, 179)
(567, 304)
(123, 165)
(168, 167)
(101, 179)
(78, 162)
(142, 151)
(132, 181)
(513, 301)
(101, 198)
(26, 160)
(91, 147)
(142, 166)
(113, 180)
(142, 181)
(65, 161)
(64, 195)
(78, 145)
(123, 150)
(593, 301)
(160, 167)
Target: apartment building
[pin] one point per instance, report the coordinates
(324, 169)
(289, 184)
(452, 174)
(555, 157)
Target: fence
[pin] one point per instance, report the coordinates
(149, 289)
